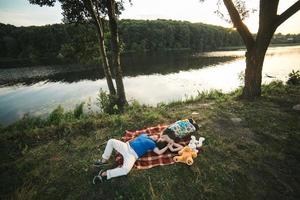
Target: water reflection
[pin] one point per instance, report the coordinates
(133, 65)
(186, 78)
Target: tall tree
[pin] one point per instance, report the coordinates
(257, 46)
(83, 10)
(115, 45)
(94, 11)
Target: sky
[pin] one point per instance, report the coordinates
(21, 13)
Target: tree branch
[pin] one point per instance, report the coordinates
(288, 13)
(238, 24)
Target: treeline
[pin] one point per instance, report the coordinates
(145, 35)
(77, 43)
(51, 44)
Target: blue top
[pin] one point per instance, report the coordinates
(142, 144)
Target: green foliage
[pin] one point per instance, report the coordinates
(107, 103)
(78, 43)
(217, 95)
(294, 78)
(78, 111)
(157, 35)
(56, 116)
(241, 77)
(237, 93)
(134, 107)
(275, 87)
(28, 122)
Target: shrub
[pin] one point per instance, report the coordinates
(56, 116)
(28, 122)
(211, 94)
(275, 87)
(107, 103)
(294, 78)
(134, 108)
(78, 111)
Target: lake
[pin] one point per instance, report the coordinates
(148, 78)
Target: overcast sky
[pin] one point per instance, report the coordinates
(21, 13)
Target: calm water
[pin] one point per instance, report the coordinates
(150, 79)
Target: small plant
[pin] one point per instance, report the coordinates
(294, 78)
(56, 116)
(89, 105)
(241, 77)
(134, 107)
(107, 103)
(78, 111)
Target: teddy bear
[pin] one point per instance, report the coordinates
(186, 155)
(194, 144)
(189, 152)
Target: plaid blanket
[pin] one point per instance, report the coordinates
(151, 159)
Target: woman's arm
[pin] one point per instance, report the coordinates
(178, 147)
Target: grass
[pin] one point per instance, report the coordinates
(257, 158)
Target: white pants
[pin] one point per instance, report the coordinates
(129, 157)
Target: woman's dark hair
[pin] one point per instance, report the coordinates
(161, 144)
(169, 133)
(194, 124)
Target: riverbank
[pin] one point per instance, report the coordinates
(233, 48)
(255, 158)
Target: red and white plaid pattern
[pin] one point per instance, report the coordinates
(151, 159)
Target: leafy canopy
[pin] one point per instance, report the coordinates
(77, 10)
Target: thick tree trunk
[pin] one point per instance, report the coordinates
(106, 68)
(256, 53)
(256, 48)
(253, 74)
(116, 53)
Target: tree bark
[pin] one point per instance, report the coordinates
(116, 63)
(239, 24)
(288, 13)
(253, 74)
(104, 59)
(255, 56)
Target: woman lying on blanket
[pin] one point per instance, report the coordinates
(133, 150)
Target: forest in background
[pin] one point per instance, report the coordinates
(77, 43)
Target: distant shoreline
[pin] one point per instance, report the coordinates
(232, 48)
(9, 63)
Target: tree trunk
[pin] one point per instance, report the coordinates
(256, 48)
(106, 68)
(116, 53)
(253, 74)
(256, 53)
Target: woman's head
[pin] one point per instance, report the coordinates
(161, 141)
(154, 137)
(194, 124)
(161, 144)
(168, 135)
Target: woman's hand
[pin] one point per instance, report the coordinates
(174, 147)
(171, 143)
